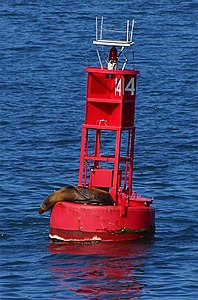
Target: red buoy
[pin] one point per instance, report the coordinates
(108, 125)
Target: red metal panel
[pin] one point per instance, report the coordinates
(72, 221)
(101, 178)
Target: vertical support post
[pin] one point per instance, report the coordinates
(127, 31)
(126, 175)
(132, 28)
(96, 28)
(131, 160)
(97, 147)
(101, 28)
(114, 191)
(82, 153)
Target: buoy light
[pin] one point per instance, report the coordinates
(113, 54)
(113, 59)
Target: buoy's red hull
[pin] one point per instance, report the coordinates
(74, 222)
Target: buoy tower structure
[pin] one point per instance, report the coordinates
(107, 152)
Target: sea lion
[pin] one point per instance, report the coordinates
(83, 195)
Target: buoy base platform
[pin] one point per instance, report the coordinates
(73, 222)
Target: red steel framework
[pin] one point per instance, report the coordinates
(110, 106)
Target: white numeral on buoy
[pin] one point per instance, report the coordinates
(130, 86)
(118, 87)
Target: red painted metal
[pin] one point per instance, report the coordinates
(78, 222)
(110, 106)
(109, 124)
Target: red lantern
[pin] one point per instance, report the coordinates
(113, 54)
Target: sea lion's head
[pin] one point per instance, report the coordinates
(52, 199)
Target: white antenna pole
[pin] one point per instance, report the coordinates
(127, 30)
(101, 28)
(96, 28)
(132, 27)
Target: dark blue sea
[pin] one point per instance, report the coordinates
(44, 49)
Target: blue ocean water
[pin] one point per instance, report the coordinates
(45, 46)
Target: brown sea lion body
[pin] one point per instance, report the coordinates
(78, 195)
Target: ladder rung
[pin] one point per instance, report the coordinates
(104, 158)
(100, 158)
